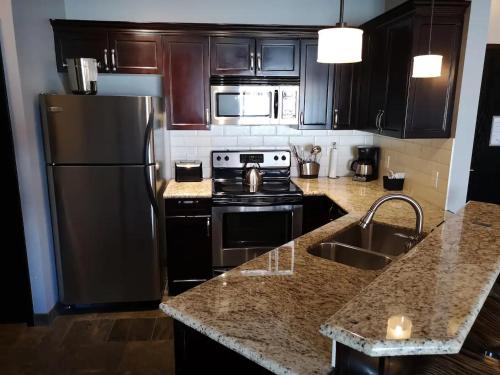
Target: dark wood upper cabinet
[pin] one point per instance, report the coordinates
(186, 77)
(249, 57)
(278, 57)
(232, 56)
(88, 43)
(115, 51)
(316, 88)
(135, 52)
(342, 96)
(430, 100)
(388, 100)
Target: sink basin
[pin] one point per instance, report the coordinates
(377, 237)
(350, 256)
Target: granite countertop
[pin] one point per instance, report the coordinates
(202, 189)
(439, 288)
(271, 309)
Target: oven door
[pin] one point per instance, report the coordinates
(244, 105)
(241, 233)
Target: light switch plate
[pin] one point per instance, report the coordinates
(495, 131)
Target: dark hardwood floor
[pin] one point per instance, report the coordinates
(106, 343)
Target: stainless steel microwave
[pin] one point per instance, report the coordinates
(255, 105)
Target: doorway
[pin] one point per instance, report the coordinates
(14, 277)
(484, 180)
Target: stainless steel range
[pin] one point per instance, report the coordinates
(250, 219)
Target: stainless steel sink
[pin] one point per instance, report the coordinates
(350, 256)
(369, 248)
(379, 238)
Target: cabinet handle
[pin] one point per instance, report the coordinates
(301, 118)
(64, 65)
(207, 115)
(106, 66)
(335, 118)
(251, 61)
(259, 61)
(208, 227)
(113, 60)
(376, 120)
(380, 121)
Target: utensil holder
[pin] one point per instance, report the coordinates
(393, 183)
(309, 169)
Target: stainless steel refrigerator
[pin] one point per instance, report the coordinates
(105, 193)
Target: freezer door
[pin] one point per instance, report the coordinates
(81, 129)
(106, 234)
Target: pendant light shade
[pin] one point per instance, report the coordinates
(340, 44)
(428, 66)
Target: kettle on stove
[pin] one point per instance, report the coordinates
(253, 177)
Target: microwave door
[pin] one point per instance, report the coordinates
(244, 105)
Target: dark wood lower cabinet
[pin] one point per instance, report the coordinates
(318, 211)
(196, 353)
(189, 243)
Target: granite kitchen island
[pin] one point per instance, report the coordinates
(288, 310)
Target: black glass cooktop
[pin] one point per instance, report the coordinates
(268, 188)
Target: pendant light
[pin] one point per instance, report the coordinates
(340, 44)
(428, 66)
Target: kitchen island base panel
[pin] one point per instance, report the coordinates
(196, 353)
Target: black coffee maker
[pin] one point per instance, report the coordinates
(365, 167)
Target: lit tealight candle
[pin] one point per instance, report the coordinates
(398, 327)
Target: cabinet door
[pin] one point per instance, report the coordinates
(377, 79)
(70, 43)
(342, 97)
(316, 88)
(134, 52)
(430, 101)
(189, 251)
(232, 56)
(278, 57)
(186, 82)
(398, 65)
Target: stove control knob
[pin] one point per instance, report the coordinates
(219, 158)
(283, 158)
(276, 157)
(226, 158)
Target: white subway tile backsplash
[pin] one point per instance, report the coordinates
(250, 141)
(287, 130)
(276, 141)
(182, 133)
(224, 141)
(188, 144)
(301, 140)
(263, 130)
(236, 130)
(352, 140)
(201, 141)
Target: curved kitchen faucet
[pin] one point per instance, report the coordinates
(366, 220)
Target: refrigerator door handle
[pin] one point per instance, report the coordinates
(149, 178)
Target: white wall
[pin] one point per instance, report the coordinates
(300, 12)
(494, 31)
(468, 90)
(27, 44)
